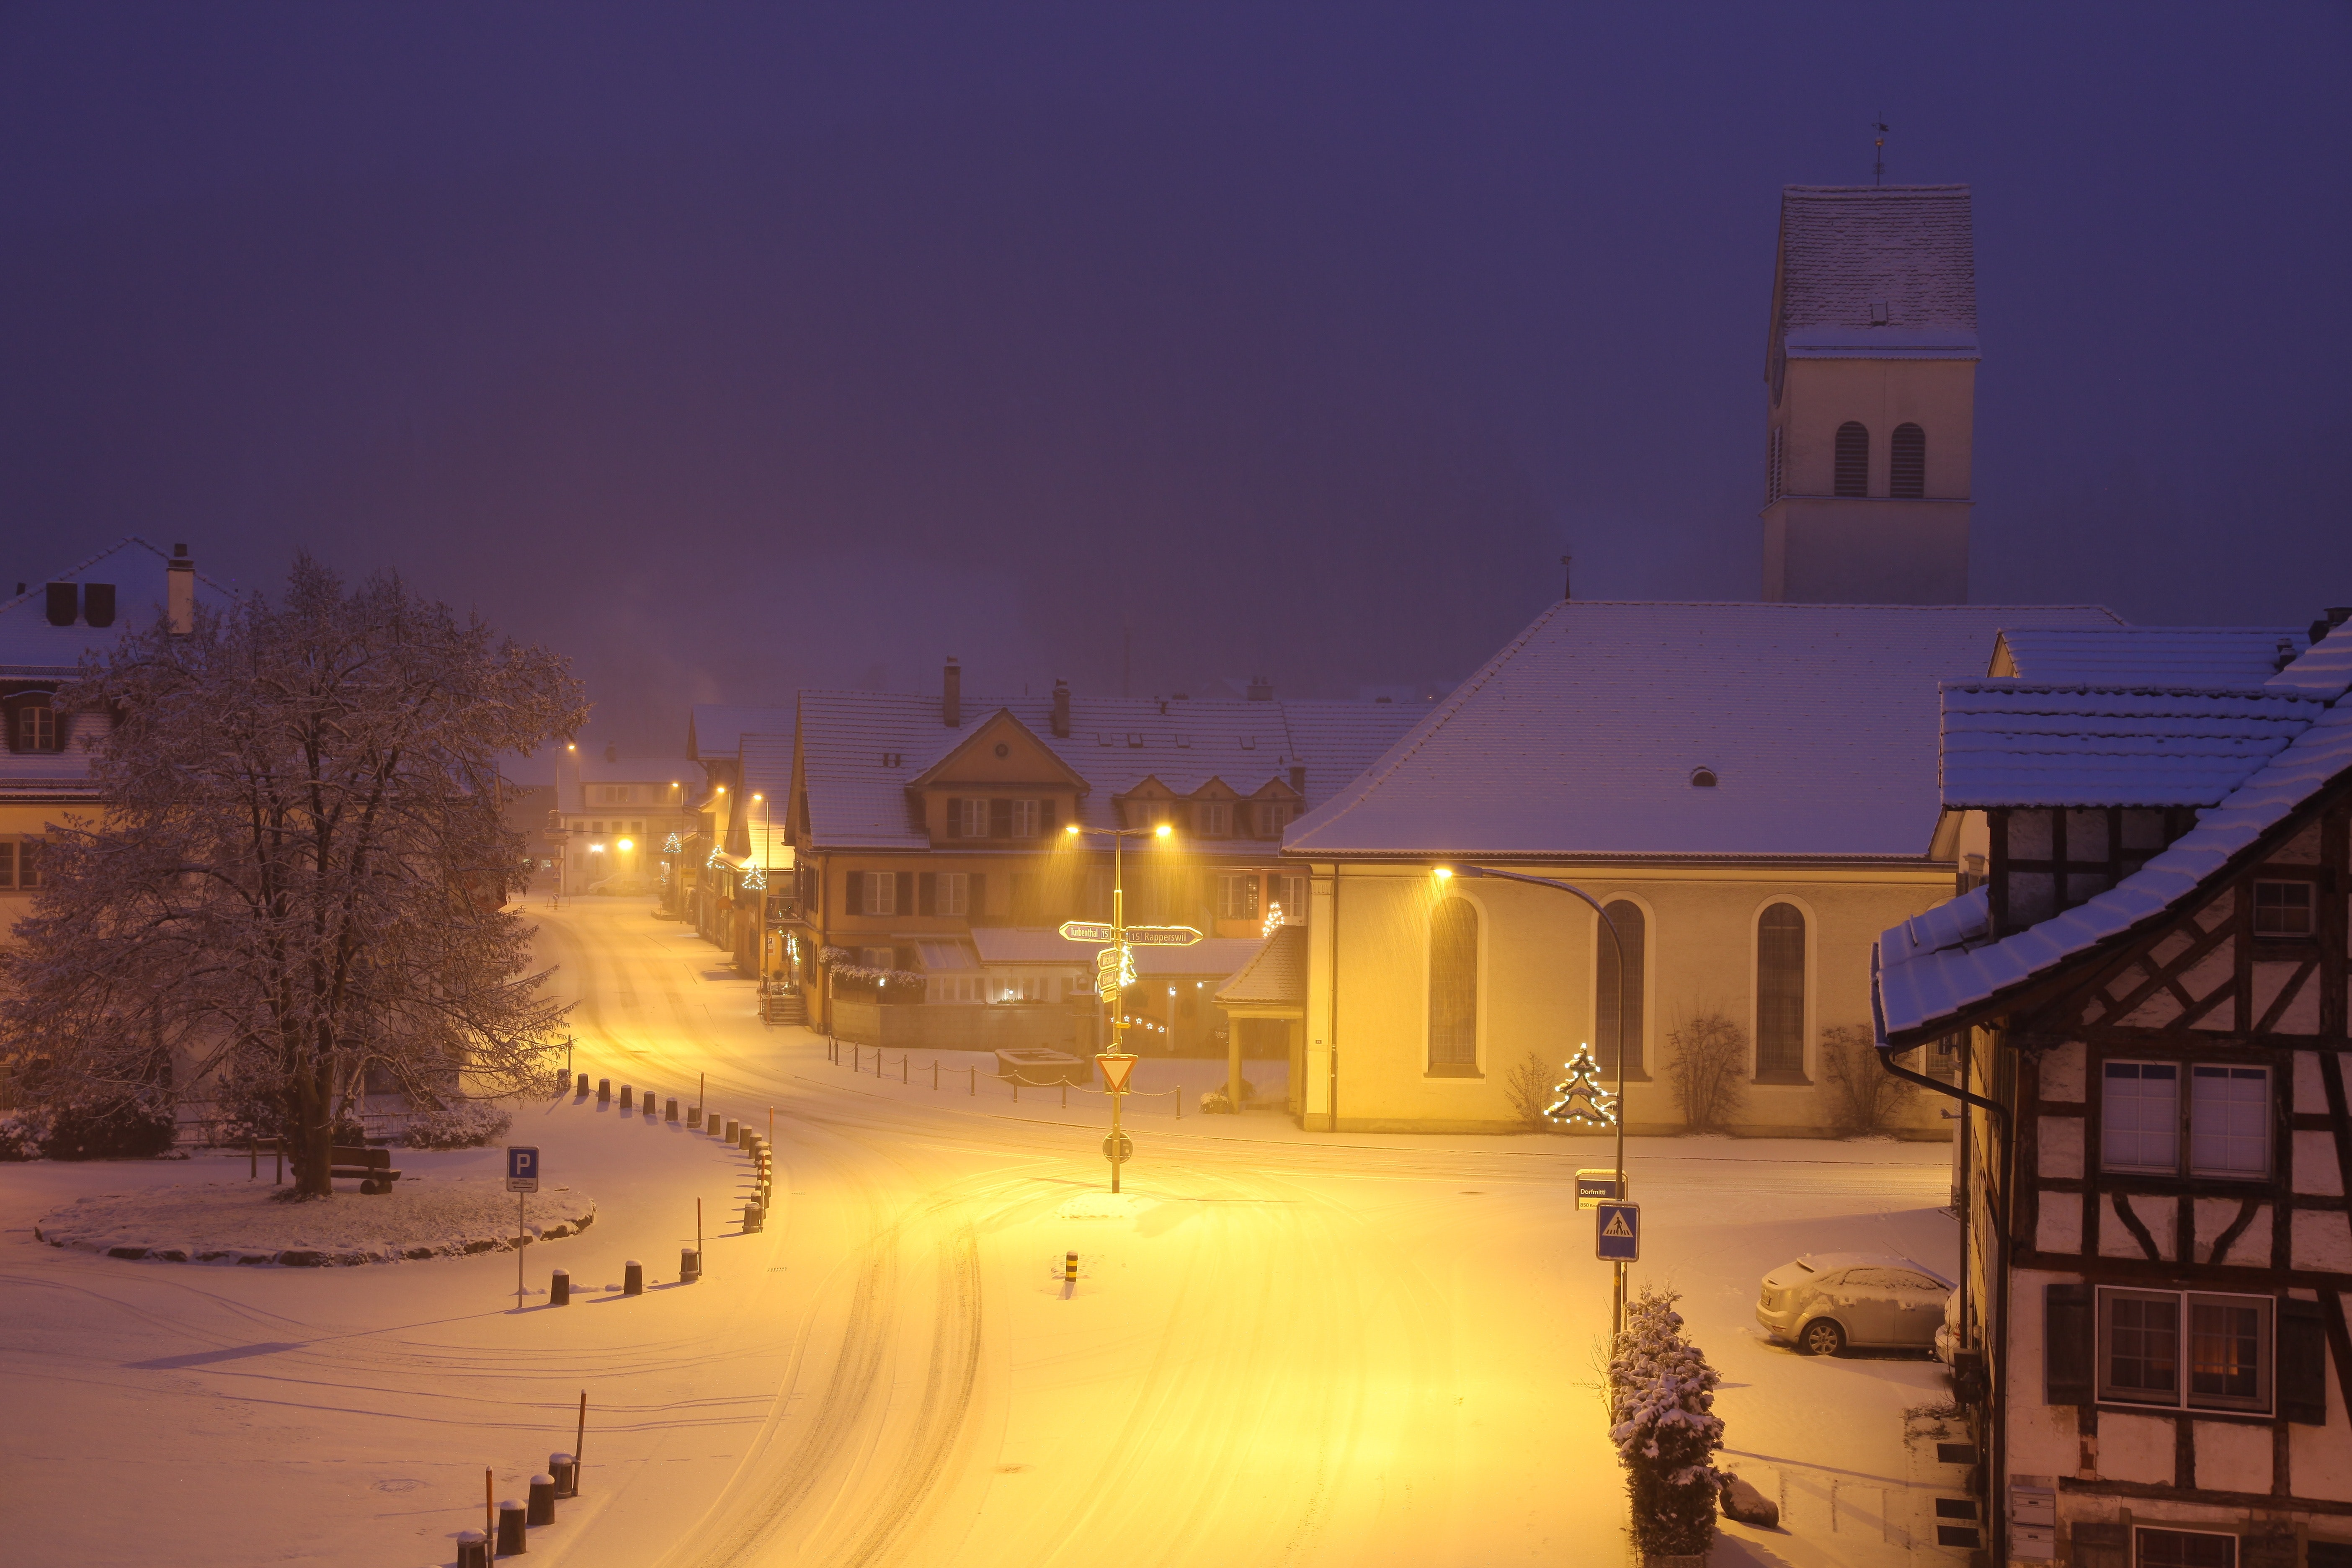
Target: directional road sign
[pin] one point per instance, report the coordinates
(1591, 1186)
(1118, 1148)
(522, 1168)
(1087, 930)
(1618, 1231)
(1162, 936)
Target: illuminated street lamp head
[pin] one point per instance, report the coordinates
(1163, 831)
(1072, 829)
(627, 844)
(1444, 873)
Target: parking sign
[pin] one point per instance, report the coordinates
(522, 1168)
(1617, 1233)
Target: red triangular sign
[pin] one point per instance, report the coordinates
(1116, 1068)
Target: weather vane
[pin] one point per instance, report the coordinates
(1878, 169)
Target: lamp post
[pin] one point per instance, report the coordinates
(766, 821)
(1114, 969)
(1617, 944)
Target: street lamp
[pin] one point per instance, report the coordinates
(1114, 971)
(766, 821)
(1617, 944)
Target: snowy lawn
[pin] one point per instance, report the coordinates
(243, 1222)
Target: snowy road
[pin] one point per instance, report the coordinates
(1360, 1351)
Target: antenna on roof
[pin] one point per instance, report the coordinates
(1879, 168)
(1566, 577)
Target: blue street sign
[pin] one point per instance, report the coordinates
(1593, 1184)
(1617, 1233)
(522, 1168)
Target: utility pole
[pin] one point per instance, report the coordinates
(1566, 577)
(1878, 169)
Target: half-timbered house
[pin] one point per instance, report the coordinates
(2149, 995)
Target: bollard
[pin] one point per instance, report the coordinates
(511, 1518)
(559, 1288)
(541, 1508)
(855, 1059)
(633, 1277)
(627, 1104)
(734, 1134)
(669, 1111)
(694, 1116)
(604, 1091)
(935, 1073)
(473, 1550)
(1070, 1267)
(690, 1266)
(583, 1086)
(972, 1078)
(753, 1217)
(566, 1474)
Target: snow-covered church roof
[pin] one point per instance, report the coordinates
(1876, 273)
(1817, 724)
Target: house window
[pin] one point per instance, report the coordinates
(7, 862)
(2184, 1549)
(1852, 476)
(1237, 896)
(1907, 465)
(2283, 908)
(966, 819)
(1024, 819)
(1454, 989)
(2224, 1127)
(1149, 813)
(1213, 818)
(1627, 920)
(36, 728)
(1780, 992)
(954, 892)
(880, 891)
(1289, 893)
(878, 957)
(1272, 817)
(2197, 1348)
(1097, 906)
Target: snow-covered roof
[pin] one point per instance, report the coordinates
(1037, 945)
(1877, 272)
(30, 645)
(1582, 737)
(1275, 977)
(860, 750)
(2324, 669)
(1932, 970)
(764, 826)
(2145, 656)
(712, 728)
(2018, 743)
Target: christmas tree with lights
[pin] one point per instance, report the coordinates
(1582, 1103)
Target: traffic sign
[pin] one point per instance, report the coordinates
(1617, 1232)
(522, 1168)
(1117, 1068)
(1162, 936)
(1118, 1148)
(1594, 1186)
(1088, 931)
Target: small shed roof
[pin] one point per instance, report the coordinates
(1275, 978)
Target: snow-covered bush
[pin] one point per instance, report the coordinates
(1864, 1096)
(130, 1128)
(1661, 1412)
(1708, 1066)
(466, 1124)
(1213, 1102)
(21, 1135)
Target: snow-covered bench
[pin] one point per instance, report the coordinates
(372, 1168)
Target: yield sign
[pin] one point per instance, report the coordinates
(1162, 936)
(1117, 1068)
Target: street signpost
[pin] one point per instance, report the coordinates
(1162, 936)
(1591, 1186)
(1617, 1232)
(1087, 930)
(522, 1179)
(1118, 1148)
(1118, 1067)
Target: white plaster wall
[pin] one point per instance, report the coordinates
(2315, 1170)
(2207, 976)
(2232, 1457)
(2061, 1072)
(2302, 849)
(2135, 1448)
(2322, 1239)
(2302, 1015)
(2158, 1214)
(2310, 1093)
(2215, 1216)
(2060, 1147)
(2041, 1437)
(2058, 1227)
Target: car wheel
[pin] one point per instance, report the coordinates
(1821, 1337)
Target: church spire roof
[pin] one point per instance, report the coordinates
(1876, 273)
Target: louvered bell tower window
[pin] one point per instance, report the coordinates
(1852, 474)
(1907, 467)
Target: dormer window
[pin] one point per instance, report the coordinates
(1213, 819)
(1272, 817)
(36, 729)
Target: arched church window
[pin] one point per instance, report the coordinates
(1780, 992)
(1454, 989)
(1906, 469)
(1626, 917)
(1853, 460)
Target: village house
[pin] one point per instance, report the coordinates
(925, 862)
(2150, 992)
(611, 817)
(697, 889)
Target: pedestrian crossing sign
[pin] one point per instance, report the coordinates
(1618, 1231)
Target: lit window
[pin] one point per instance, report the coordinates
(2195, 1348)
(1237, 896)
(2283, 908)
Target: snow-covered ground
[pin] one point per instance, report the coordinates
(238, 1221)
(1359, 1350)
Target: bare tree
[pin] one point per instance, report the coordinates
(1708, 1066)
(1864, 1096)
(299, 874)
(1528, 1087)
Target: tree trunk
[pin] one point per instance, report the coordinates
(314, 1157)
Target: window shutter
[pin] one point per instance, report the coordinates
(1000, 819)
(927, 893)
(2302, 1363)
(2068, 1339)
(1045, 823)
(904, 903)
(975, 899)
(955, 817)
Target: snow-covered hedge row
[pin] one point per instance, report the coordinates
(1661, 1412)
(469, 1124)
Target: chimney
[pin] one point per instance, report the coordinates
(951, 695)
(97, 603)
(65, 603)
(1061, 708)
(180, 593)
(1261, 689)
(1299, 780)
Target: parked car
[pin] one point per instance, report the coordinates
(1825, 1301)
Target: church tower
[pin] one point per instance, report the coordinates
(1871, 406)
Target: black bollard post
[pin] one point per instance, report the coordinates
(633, 1277)
(753, 1218)
(566, 1473)
(559, 1288)
(694, 1116)
(512, 1516)
(670, 1110)
(473, 1549)
(734, 1130)
(604, 1091)
(583, 1086)
(627, 1104)
(541, 1506)
(689, 1264)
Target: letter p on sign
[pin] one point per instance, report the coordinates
(522, 1168)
